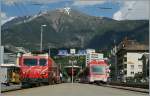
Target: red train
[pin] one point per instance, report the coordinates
(97, 71)
(38, 68)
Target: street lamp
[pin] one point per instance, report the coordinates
(72, 69)
(42, 36)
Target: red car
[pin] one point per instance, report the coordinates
(38, 68)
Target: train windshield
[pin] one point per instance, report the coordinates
(30, 62)
(42, 62)
(98, 69)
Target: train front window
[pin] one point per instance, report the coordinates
(30, 62)
(98, 69)
(42, 62)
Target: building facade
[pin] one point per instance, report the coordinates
(10, 54)
(88, 51)
(129, 53)
(93, 56)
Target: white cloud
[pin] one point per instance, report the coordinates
(45, 1)
(75, 2)
(12, 2)
(133, 10)
(87, 2)
(5, 18)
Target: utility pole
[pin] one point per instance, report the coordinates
(41, 44)
(72, 71)
(115, 51)
(1, 52)
(71, 61)
(0, 46)
(72, 53)
(49, 51)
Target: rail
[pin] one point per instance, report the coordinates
(135, 85)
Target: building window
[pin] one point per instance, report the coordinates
(125, 59)
(125, 72)
(132, 73)
(132, 66)
(140, 66)
(139, 72)
(125, 65)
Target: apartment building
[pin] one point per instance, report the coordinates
(129, 53)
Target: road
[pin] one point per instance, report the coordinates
(76, 89)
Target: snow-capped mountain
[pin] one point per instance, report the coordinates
(7, 20)
(67, 27)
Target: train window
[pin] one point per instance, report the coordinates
(42, 62)
(30, 62)
(98, 69)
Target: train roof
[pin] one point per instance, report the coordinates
(9, 65)
(36, 54)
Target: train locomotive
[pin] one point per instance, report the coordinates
(97, 71)
(37, 68)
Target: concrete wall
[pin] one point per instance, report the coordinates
(1, 54)
(10, 58)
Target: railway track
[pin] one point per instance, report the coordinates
(125, 88)
(142, 90)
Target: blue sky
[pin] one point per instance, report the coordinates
(20, 9)
(119, 9)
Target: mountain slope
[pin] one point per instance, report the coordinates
(75, 29)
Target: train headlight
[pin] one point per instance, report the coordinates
(43, 73)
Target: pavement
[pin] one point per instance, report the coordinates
(75, 89)
(5, 88)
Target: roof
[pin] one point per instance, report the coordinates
(13, 49)
(136, 47)
(10, 49)
(9, 65)
(132, 45)
(30, 54)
